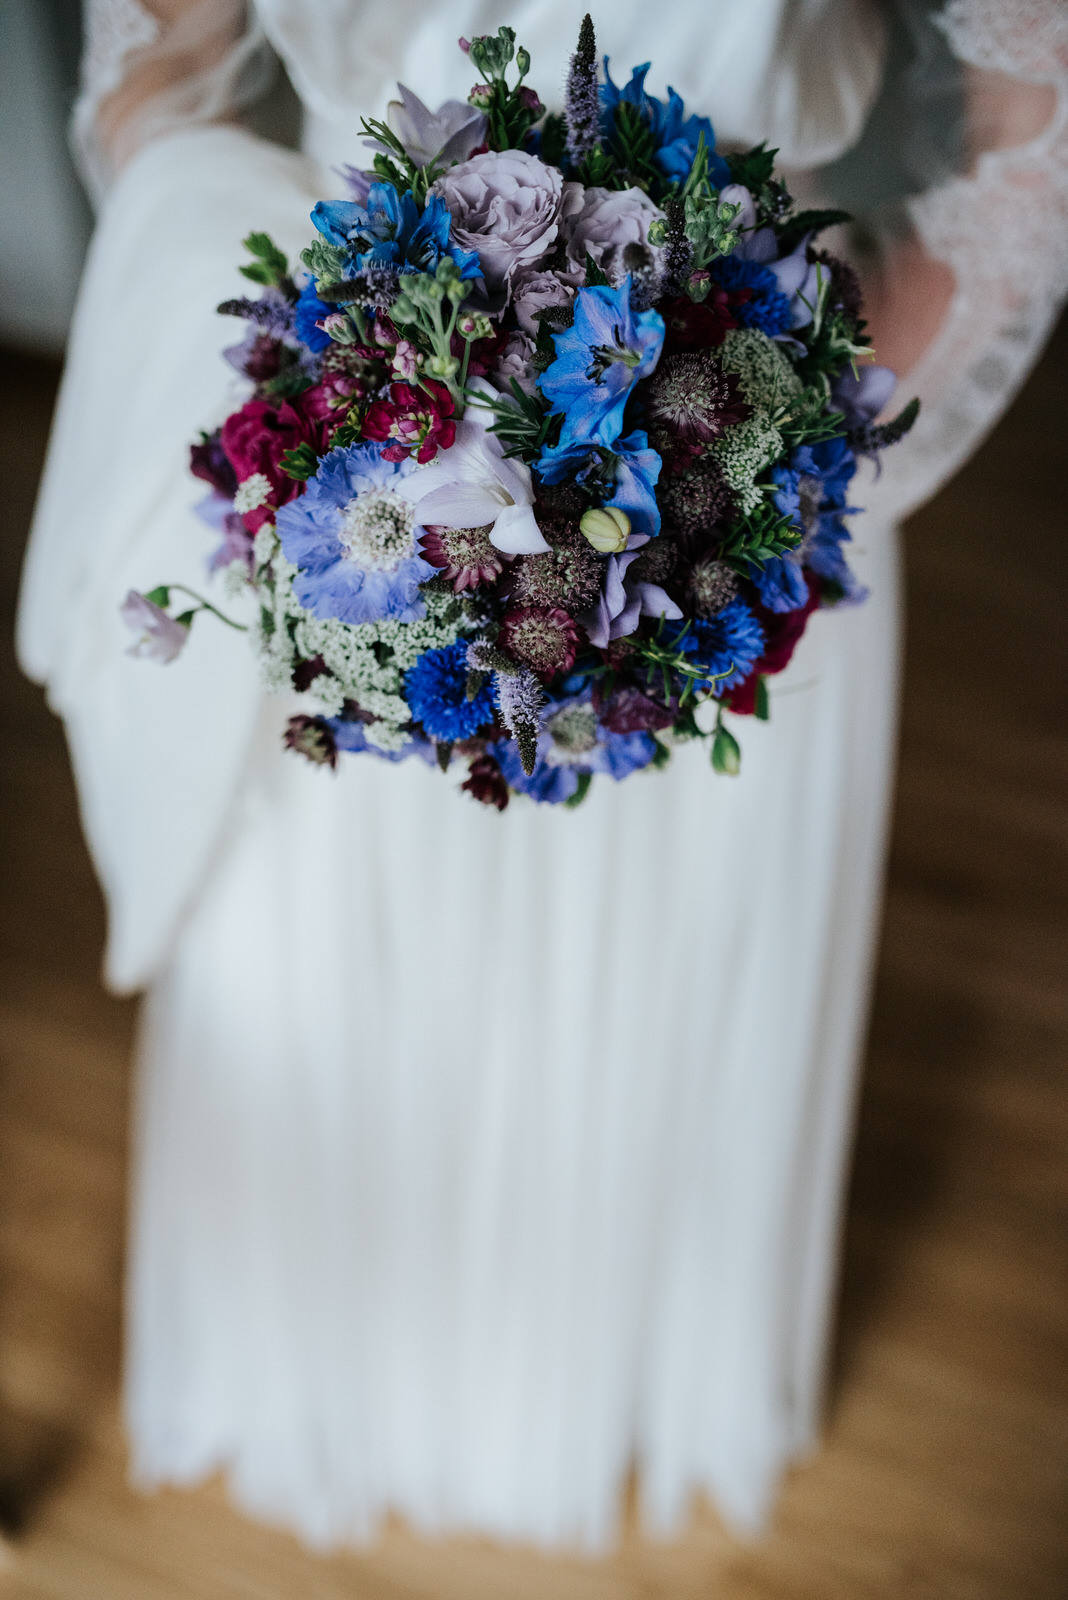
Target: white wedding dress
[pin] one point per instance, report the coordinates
(480, 1156)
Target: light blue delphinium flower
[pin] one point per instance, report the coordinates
(675, 133)
(352, 536)
(599, 359)
(625, 476)
(392, 231)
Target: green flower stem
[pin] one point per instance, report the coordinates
(206, 605)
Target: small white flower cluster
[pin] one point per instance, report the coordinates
(767, 379)
(367, 661)
(252, 493)
(744, 451)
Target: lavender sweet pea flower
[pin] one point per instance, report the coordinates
(505, 205)
(443, 136)
(161, 638)
(798, 280)
(623, 602)
(862, 396)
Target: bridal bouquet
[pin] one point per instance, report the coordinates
(547, 455)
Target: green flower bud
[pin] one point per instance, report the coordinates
(441, 367)
(607, 529)
(522, 60)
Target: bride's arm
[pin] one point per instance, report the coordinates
(961, 300)
(151, 66)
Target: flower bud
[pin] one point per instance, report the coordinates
(338, 327)
(607, 529)
(522, 60)
(441, 366)
(700, 282)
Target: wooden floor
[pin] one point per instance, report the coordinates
(945, 1467)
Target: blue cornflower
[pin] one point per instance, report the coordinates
(436, 690)
(572, 742)
(599, 359)
(769, 309)
(625, 476)
(676, 134)
(731, 642)
(352, 536)
(392, 231)
(308, 311)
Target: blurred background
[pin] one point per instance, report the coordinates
(945, 1466)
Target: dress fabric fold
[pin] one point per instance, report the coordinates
(479, 1156)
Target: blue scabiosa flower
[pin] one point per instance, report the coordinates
(352, 536)
(351, 735)
(599, 359)
(769, 309)
(436, 690)
(730, 643)
(675, 133)
(573, 742)
(625, 476)
(392, 231)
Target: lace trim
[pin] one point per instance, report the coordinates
(1003, 231)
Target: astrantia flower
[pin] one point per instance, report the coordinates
(352, 537)
(160, 637)
(544, 637)
(506, 206)
(392, 230)
(411, 421)
(486, 782)
(693, 398)
(710, 587)
(676, 135)
(725, 647)
(466, 557)
(697, 500)
(474, 485)
(436, 690)
(599, 359)
(313, 738)
(567, 575)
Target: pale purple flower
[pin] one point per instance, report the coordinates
(161, 638)
(516, 362)
(536, 291)
(443, 136)
(861, 397)
(506, 206)
(622, 602)
(605, 223)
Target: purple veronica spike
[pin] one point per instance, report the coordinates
(520, 699)
(582, 109)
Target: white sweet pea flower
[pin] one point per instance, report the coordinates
(474, 485)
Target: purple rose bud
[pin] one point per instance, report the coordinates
(465, 45)
(481, 94)
(162, 638)
(528, 99)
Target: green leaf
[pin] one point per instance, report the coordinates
(595, 277)
(160, 596)
(753, 168)
(443, 753)
(762, 710)
(270, 265)
(793, 229)
(726, 752)
(553, 139)
(301, 463)
(576, 799)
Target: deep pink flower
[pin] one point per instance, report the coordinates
(545, 637)
(415, 421)
(255, 440)
(465, 556)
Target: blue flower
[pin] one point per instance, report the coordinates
(832, 463)
(351, 735)
(599, 359)
(572, 742)
(391, 231)
(780, 583)
(352, 536)
(769, 309)
(676, 134)
(730, 643)
(436, 690)
(625, 476)
(308, 311)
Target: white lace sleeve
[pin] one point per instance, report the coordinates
(1000, 227)
(148, 69)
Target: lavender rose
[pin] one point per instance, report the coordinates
(506, 206)
(609, 221)
(535, 291)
